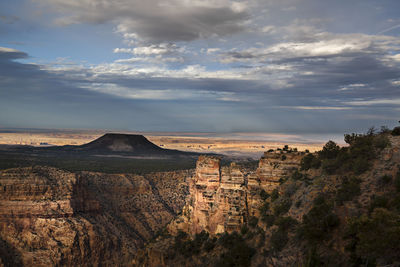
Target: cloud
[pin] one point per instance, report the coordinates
(155, 20)
(189, 98)
(210, 64)
(317, 108)
(213, 50)
(322, 46)
(395, 101)
(10, 53)
(268, 29)
(159, 49)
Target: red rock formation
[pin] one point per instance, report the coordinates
(49, 217)
(222, 198)
(274, 166)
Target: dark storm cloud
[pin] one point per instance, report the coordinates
(7, 54)
(155, 20)
(288, 66)
(32, 97)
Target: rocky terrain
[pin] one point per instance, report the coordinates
(50, 217)
(221, 199)
(337, 207)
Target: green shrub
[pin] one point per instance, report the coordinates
(384, 180)
(282, 206)
(395, 203)
(296, 175)
(397, 181)
(200, 238)
(310, 161)
(312, 259)
(264, 195)
(285, 223)
(264, 208)
(378, 202)
(274, 194)
(209, 244)
(349, 189)
(360, 165)
(381, 141)
(356, 157)
(375, 237)
(329, 151)
(237, 252)
(283, 180)
(278, 240)
(268, 219)
(290, 189)
(330, 166)
(283, 157)
(264, 211)
(253, 221)
(384, 130)
(244, 229)
(396, 131)
(318, 222)
(187, 247)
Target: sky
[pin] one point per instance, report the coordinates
(288, 66)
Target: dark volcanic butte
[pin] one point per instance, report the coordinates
(112, 142)
(127, 144)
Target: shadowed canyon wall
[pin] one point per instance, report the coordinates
(221, 199)
(50, 217)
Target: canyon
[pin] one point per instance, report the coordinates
(49, 217)
(288, 212)
(54, 217)
(216, 214)
(222, 198)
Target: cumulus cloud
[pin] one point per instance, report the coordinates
(155, 20)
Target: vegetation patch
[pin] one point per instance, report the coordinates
(282, 206)
(375, 237)
(349, 189)
(237, 252)
(354, 158)
(310, 161)
(278, 240)
(319, 221)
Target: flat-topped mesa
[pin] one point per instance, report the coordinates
(274, 166)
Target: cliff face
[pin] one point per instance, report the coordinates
(341, 210)
(274, 166)
(50, 217)
(222, 198)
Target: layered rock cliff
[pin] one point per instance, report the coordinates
(50, 217)
(223, 197)
(340, 208)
